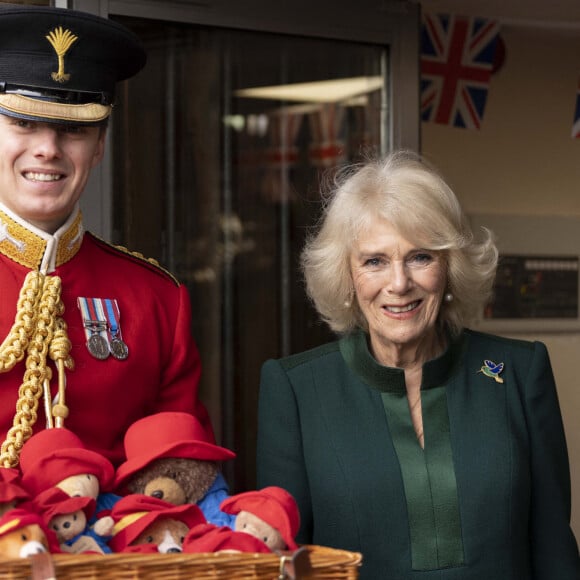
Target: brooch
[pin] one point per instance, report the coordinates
(492, 370)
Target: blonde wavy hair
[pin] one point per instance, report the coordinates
(405, 190)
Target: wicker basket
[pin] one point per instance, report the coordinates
(306, 563)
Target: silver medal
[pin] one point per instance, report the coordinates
(118, 348)
(98, 346)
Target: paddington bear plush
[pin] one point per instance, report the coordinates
(11, 491)
(67, 517)
(270, 514)
(23, 533)
(146, 524)
(171, 457)
(58, 458)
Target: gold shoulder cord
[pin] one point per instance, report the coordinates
(39, 331)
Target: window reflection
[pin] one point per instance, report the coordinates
(221, 187)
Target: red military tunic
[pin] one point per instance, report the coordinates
(162, 370)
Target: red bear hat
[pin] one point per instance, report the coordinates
(52, 455)
(211, 538)
(10, 486)
(166, 434)
(272, 504)
(55, 502)
(19, 518)
(134, 513)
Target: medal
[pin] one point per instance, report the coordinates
(102, 329)
(98, 346)
(95, 325)
(117, 346)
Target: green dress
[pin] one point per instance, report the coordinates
(488, 498)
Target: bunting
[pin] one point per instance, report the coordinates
(327, 147)
(457, 59)
(364, 126)
(281, 155)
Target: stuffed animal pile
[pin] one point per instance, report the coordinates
(168, 496)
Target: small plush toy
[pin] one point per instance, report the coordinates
(58, 458)
(270, 514)
(210, 538)
(166, 534)
(169, 456)
(67, 517)
(23, 534)
(11, 491)
(142, 520)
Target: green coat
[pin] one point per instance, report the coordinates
(487, 499)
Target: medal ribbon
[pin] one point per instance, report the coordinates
(116, 345)
(94, 319)
(113, 316)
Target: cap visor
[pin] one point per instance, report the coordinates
(23, 107)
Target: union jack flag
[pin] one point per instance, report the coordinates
(457, 56)
(576, 125)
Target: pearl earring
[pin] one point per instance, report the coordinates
(348, 302)
(448, 297)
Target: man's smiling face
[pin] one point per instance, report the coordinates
(44, 168)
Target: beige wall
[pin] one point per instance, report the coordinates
(523, 162)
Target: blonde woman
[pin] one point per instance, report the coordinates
(436, 451)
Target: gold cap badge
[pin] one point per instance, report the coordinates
(61, 41)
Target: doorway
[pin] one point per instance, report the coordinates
(221, 150)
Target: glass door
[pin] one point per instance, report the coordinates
(222, 148)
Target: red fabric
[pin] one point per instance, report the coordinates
(105, 397)
(211, 538)
(141, 549)
(10, 486)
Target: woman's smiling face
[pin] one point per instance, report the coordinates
(399, 286)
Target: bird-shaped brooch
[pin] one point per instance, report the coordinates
(492, 370)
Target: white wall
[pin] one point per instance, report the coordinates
(523, 162)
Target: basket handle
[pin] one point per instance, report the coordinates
(42, 567)
(295, 565)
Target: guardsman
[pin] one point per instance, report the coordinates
(92, 336)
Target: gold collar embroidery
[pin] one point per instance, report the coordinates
(35, 249)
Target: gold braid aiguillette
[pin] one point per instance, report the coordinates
(38, 324)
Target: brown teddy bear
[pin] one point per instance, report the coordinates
(270, 514)
(147, 524)
(67, 517)
(23, 533)
(58, 458)
(169, 457)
